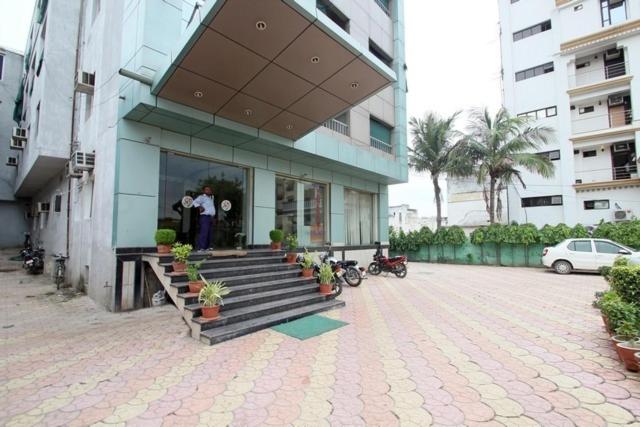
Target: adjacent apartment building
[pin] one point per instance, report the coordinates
(573, 65)
(12, 211)
(293, 111)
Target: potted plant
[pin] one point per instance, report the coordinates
(276, 237)
(306, 264)
(325, 276)
(180, 253)
(193, 273)
(165, 237)
(210, 298)
(291, 242)
(628, 337)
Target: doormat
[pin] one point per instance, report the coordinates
(309, 327)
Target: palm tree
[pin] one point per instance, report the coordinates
(498, 147)
(434, 151)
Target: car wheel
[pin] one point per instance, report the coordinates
(562, 267)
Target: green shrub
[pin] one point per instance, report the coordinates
(425, 236)
(325, 275)
(625, 281)
(528, 234)
(579, 232)
(440, 236)
(477, 236)
(629, 330)
(276, 235)
(496, 233)
(621, 261)
(605, 271)
(618, 311)
(193, 271)
(307, 260)
(165, 236)
(455, 236)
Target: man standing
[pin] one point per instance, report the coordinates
(207, 210)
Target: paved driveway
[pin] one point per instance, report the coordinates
(449, 345)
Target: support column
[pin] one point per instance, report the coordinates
(337, 236)
(264, 205)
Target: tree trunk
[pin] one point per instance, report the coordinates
(492, 201)
(436, 189)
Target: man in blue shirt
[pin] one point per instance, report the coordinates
(207, 210)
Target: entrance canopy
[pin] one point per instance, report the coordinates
(274, 65)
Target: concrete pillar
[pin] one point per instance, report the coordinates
(337, 236)
(264, 205)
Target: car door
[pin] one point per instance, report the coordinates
(607, 252)
(581, 255)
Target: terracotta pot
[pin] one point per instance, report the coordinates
(179, 267)
(196, 286)
(276, 246)
(211, 312)
(325, 289)
(307, 272)
(637, 356)
(627, 355)
(617, 339)
(164, 249)
(291, 257)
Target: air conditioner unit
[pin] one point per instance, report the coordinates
(19, 133)
(17, 144)
(12, 161)
(43, 208)
(616, 100)
(612, 53)
(620, 215)
(72, 173)
(85, 82)
(621, 147)
(83, 161)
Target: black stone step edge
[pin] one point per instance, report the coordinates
(258, 276)
(234, 330)
(269, 286)
(276, 267)
(208, 261)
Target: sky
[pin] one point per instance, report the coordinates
(452, 51)
(452, 54)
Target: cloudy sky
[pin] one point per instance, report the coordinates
(452, 52)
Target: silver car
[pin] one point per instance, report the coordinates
(585, 255)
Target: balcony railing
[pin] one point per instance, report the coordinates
(593, 123)
(337, 126)
(588, 76)
(609, 174)
(380, 145)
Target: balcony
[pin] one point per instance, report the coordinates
(602, 117)
(597, 72)
(337, 126)
(275, 66)
(380, 145)
(603, 166)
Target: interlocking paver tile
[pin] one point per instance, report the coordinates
(458, 346)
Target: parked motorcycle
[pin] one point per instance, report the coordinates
(351, 273)
(33, 261)
(396, 265)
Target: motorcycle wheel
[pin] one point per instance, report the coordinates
(374, 268)
(352, 277)
(400, 271)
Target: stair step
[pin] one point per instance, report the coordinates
(215, 273)
(197, 256)
(224, 333)
(251, 288)
(235, 262)
(181, 281)
(231, 303)
(259, 310)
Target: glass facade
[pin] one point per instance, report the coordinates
(360, 218)
(301, 209)
(182, 176)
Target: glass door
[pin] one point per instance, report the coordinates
(301, 209)
(182, 178)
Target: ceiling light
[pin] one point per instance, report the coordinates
(354, 85)
(248, 112)
(289, 126)
(198, 94)
(315, 59)
(261, 25)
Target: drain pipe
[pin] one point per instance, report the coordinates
(73, 121)
(135, 76)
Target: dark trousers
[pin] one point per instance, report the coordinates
(204, 221)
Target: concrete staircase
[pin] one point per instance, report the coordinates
(265, 291)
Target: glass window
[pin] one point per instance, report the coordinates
(360, 218)
(531, 202)
(380, 54)
(333, 13)
(606, 247)
(301, 209)
(580, 246)
(596, 204)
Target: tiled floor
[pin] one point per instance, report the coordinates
(448, 345)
